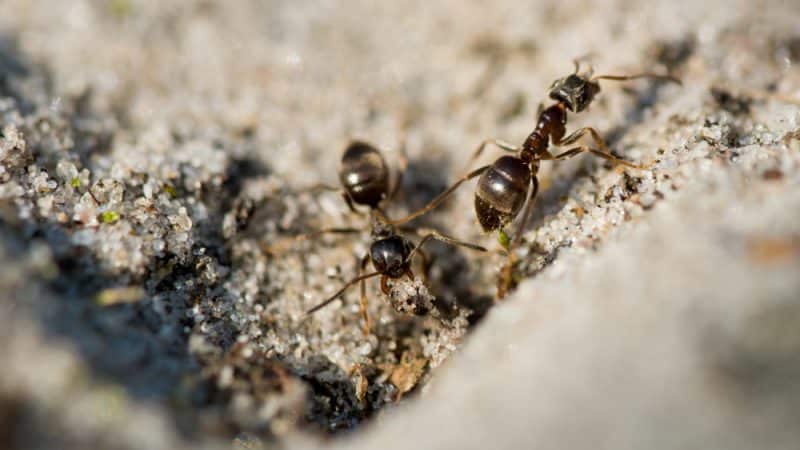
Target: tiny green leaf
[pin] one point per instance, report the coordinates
(170, 190)
(503, 239)
(109, 216)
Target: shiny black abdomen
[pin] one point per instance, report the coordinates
(501, 192)
(390, 255)
(364, 174)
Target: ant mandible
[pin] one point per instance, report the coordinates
(503, 186)
(364, 176)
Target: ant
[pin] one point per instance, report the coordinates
(364, 176)
(503, 187)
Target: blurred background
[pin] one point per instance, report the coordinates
(151, 151)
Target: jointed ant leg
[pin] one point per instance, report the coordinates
(350, 204)
(284, 244)
(439, 198)
(443, 196)
(425, 265)
(433, 234)
(583, 148)
(507, 272)
(363, 299)
(502, 145)
(604, 151)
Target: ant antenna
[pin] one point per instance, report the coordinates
(577, 63)
(657, 76)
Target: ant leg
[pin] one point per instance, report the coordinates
(433, 234)
(350, 204)
(426, 265)
(604, 151)
(284, 244)
(572, 137)
(657, 76)
(502, 145)
(346, 286)
(443, 196)
(583, 148)
(363, 299)
(506, 276)
(439, 198)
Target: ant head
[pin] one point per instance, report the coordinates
(575, 91)
(390, 255)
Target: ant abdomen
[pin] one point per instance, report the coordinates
(364, 174)
(501, 192)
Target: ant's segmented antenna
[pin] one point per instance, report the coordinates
(656, 76)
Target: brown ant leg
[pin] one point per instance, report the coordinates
(363, 299)
(433, 234)
(584, 148)
(604, 151)
(506, 276)
(439, 198)
(338, 293)
(426, 265)
(502, 145)
(350, 204)
(283, 245)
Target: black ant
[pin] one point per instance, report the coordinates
(364, 176)
(503, 186)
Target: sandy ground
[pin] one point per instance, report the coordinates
(152, 152)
